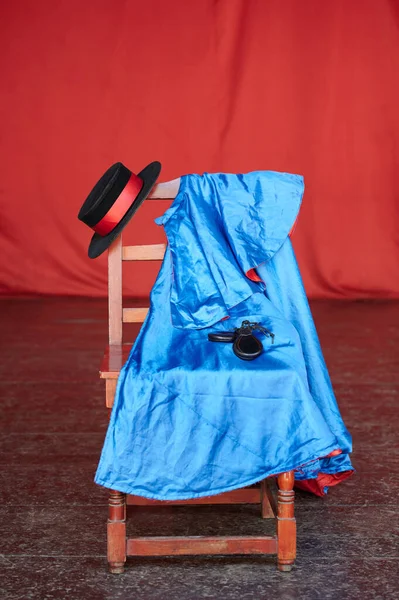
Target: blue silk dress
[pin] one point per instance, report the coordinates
(190, 418)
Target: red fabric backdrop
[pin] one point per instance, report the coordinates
(304, 86)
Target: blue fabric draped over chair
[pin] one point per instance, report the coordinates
(190, 418)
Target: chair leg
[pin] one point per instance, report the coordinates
(116, 531)
(286, 525)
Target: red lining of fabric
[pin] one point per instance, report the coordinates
(316, 486)
(252, 275)
(334, 453)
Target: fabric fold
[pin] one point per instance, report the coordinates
(248, 216)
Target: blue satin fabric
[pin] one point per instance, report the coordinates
(191, 419)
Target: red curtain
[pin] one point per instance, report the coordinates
(304, 86)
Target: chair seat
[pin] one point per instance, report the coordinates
(114, 358)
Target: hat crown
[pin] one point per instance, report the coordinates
(104, 194)
(113, 201)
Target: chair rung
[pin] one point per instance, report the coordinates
(134, 315)
(148, 252)
(241, 496)
(170, 546)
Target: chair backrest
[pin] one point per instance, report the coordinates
(117, 254)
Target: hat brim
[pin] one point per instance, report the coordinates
(99, 243)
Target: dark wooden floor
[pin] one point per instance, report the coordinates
(53, 515)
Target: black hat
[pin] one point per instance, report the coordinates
(113, 201)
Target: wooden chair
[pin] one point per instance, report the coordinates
(278, 504)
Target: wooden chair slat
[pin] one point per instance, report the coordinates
(165, 191)
(241, 496)
(149, 252)
(172, 546)
(134, 315)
